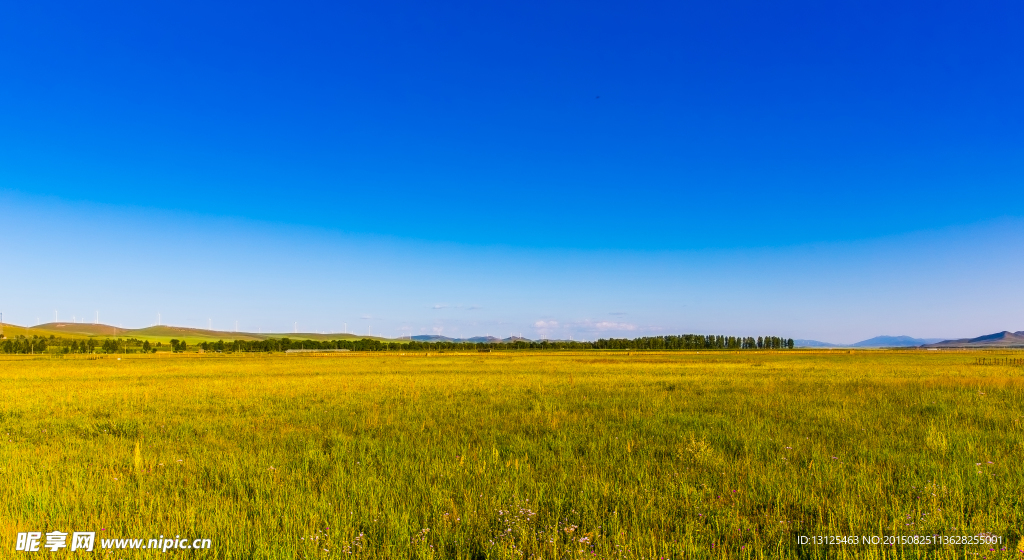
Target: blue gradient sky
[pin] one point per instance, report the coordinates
(592, 169)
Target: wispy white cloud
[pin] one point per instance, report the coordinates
(440, 306)
(612, 326)
(585, 329)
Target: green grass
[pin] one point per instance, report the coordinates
(543, 455)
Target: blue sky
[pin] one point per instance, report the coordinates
(812, 170)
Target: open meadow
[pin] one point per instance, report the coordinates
(518, 455)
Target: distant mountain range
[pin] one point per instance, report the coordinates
(876, 342)
(484, 339)
(1005, 339)
(894, 342)
(804, 343)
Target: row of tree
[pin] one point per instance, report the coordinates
(39, 345)
(58, 345)
(680, 342)
(284, 344)
(697, 342)
(23, 345)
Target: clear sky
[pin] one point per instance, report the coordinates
(808, 169)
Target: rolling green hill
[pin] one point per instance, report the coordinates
(74, 330)
(162, 333)
(166, 333)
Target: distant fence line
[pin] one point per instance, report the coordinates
(998, 362)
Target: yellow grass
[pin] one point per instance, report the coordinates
(532, 455)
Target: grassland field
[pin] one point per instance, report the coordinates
(517, 455)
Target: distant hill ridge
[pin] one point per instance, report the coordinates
(484, 339)
(90, 329)
(168, 332)
(884, 341)
(805, 343)
(1005, 339)
(894, 342)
